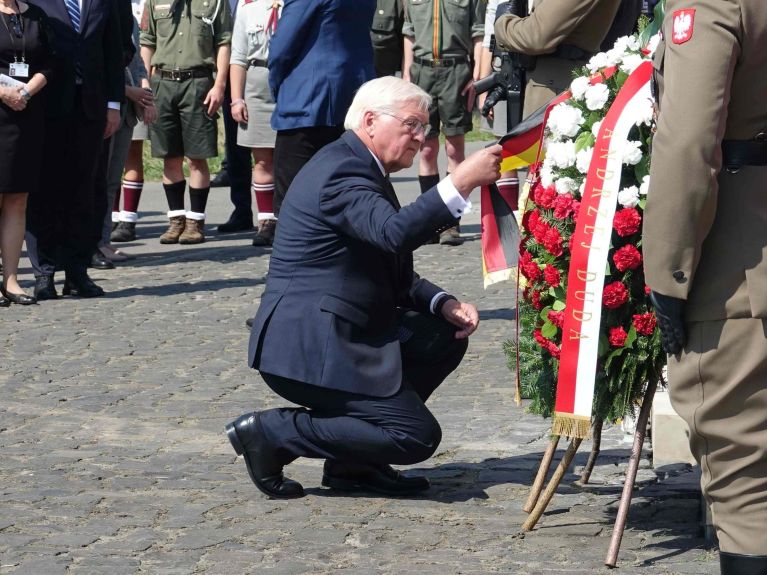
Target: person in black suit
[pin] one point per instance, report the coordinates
(82, 109)
(345, 327)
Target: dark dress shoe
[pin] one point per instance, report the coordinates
(124, 232)
(82, 286)
(18, 298)
(236, 223)
(734, 564)
(44, 288)
(384, 479)
(4, 301)
(100, 262)
(247, 437)
(220, 180)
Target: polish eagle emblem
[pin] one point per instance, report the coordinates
(683, 25)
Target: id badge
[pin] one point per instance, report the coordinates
(18, 69)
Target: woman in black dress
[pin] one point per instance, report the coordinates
(26, 61)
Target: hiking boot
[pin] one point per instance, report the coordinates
(194, 232)
(124, 232)
(265, 234)
(174, 231)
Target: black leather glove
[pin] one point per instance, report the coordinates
(670, 313)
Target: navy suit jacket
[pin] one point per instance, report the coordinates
(99, 50)
(319, 56)
(341, 267)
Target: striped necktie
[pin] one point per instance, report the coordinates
(73, 9)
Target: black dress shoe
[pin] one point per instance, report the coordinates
(100, 262)
(734, 564)
(236, 223)
(4, 301)
(220, 180)
(247, 437)
(81, 285)
(44, 288)
(367, 477)
(18, 298)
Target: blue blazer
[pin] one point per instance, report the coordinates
(318, 57)
(97, 48)
(341, 267)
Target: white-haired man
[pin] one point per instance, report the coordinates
(345, 327)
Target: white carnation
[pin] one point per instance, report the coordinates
(626, 43)
(582, 188)
(565, 121)
(632, 153)
(614, 55)
(583, 159)
(630, 62)
(646, 113)
(597, 62)
(596, 96)
(547, 174)
(595, 127)
(644, 186)
(561, 154)
(629, 197)
(566, 185)
(578, 87)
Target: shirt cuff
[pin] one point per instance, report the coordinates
(435, 299)
(453, 200)
(113, 105)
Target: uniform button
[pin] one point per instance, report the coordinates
(380, 11)
(679, 276)
(204, 3)
(180, 33)
(180, 51)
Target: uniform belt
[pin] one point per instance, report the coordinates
(256, 63)
(570, 52)
(447, 62)
(181, 75)
(739, 153)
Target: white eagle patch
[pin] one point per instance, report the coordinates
(683, 25)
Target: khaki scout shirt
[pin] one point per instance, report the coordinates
(180, 37)
(705, 229)
(444, 27)
(580, 23)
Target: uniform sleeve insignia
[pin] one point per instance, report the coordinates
(683, 25)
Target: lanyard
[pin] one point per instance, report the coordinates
(11, 35)
(273, 17)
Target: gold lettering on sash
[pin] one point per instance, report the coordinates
(583, 295)
(585, 275)
(577, 335)
(581, 316)
(593, 211)
(587, 229)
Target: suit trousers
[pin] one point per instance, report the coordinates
(61, 216)
(398, 429)
(238, 164)
(292, 150)
(719, 386)
(119, 146)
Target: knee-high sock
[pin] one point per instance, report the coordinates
(131, 195)
(428, 182)
(264, 200)
(175, 195)
(199, 199)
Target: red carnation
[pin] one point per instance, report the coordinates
(617, 336)
(627, 258)
(551, 275)
(546, 344)
(644, 323)
(552, 241)
(563, 206)
(526, 220)
(535, 298)
(647, 290)
(627, 221)
(557, 318)
(545, 197)
(576, 210)
(615, 295)
(528, 267)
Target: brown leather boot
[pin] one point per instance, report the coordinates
(265, 234)
(174, 231)
(194, 232)
(451, 237)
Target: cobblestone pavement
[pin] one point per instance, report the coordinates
(114, 459)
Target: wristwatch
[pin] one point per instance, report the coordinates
(25, 94)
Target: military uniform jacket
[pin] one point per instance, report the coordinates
(342, 265)
(705, 229)
(580, 23)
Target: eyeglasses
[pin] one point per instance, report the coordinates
(416, 128)
(16, 25)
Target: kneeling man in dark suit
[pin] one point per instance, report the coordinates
(346, 328)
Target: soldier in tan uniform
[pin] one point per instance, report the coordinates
(563, 35)
(705, 240)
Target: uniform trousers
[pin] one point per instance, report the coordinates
(238, 164)
(719, 386)
(342, 426)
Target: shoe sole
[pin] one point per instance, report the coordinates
(239, 449)
(191, 242)
(166, 242)
(342, 484)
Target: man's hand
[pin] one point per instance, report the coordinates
(13, 99)
(470, 93)
(481, 168)
(670, 313)
(463, 315)
(214, 99)
(113, 122)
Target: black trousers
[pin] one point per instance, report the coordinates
(238, 164)
(61, 215)
(292, 150)
(398, 429)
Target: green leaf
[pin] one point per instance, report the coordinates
(584, 140)
(559, 293)
(549, 330)
(632, 337)
(642, 169)
(643, 202)
(544, 315)
(558, 305)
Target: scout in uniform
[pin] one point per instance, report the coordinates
(386, 35)
(184, 42)
(563, 35)
(705, 240)
(443, 48)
